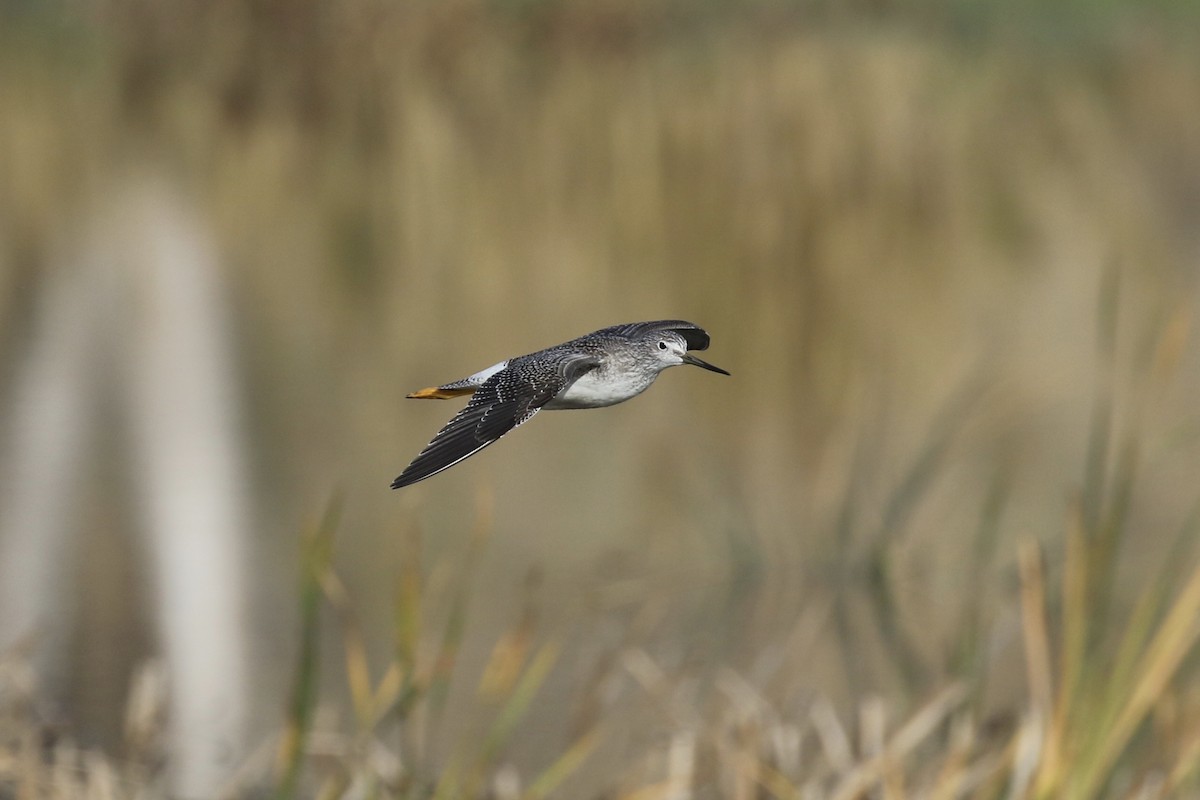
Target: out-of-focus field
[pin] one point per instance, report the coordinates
(935, 537)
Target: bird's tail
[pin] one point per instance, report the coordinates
(442, 392)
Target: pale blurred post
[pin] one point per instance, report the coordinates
(184, 425)
(146, 298)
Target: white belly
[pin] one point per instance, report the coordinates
(596, 389)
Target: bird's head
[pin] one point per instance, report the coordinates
(669, 349)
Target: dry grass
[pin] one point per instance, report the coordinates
(933, 540)
(735, 742)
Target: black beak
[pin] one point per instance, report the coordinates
(688, 358)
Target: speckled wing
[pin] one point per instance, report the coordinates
(507, 399)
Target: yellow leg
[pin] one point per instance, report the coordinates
(434, 393)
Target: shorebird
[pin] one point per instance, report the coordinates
(603, 368)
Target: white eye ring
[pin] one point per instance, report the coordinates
(662, 345)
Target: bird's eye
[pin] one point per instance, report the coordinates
(662, 345)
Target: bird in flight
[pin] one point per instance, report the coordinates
(603, 368)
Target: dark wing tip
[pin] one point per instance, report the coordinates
(430, 463)
(696, 338)
(409, 477)
(461, 438)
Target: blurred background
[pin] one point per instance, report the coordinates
(948, 250)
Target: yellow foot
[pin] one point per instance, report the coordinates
(434, 393)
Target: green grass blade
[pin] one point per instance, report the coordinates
(316, 559)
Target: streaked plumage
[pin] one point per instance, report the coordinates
(600, 369)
